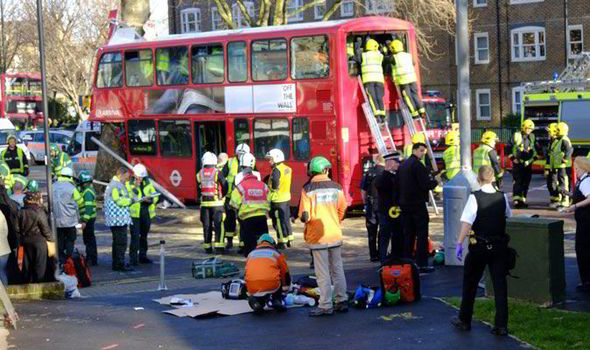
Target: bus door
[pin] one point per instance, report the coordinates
(209, 137)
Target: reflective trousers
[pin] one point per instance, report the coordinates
(522, 179)
(280, 214)
(212, 218)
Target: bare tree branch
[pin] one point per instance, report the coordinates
(245, 13)
(331, 11)
(303, 8)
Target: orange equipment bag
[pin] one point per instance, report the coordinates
(403, 277)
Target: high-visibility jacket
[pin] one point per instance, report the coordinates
(452, 159)
(145, 64)
(89, 197)
(322, 206)
(67, 202)
(208, 181)
(523, 148)
(136, 193)
(16, 160)
(403, 70)
(162, 60)
(232, 170)
(266, 270)
(561, 153)
(250, 198)
(481, 157)
(116, 204)
(61, 161)
(372, 67)
(280, 192)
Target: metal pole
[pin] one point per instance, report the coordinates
(45, 121)
(464, 92)
(162, 285)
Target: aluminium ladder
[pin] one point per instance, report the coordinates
(574, 77)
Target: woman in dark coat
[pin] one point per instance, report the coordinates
(34, 233)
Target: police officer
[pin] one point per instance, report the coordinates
(371, 62)
(551, 174)
(485, 213)
(279, 184)
(210, 181)
(59, 159)
(405, 77)
(117, 218)
(88, 216)
(486, 154)
(142, 211)
(523, 153)
(15, 158)
(369, 196)
(230, 170)
(561, 156)
(250, 198)
(68, 203)
(390, 220)
(452, 155)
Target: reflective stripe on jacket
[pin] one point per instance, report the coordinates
(89, 197)
(67, 201)
(452, 159)
(250, 198)
(15, 160)
(233, 168)
(481, 157)
(117, 202)
(208, 180)
(403, 69)
(561, 153)
(136, 193)
(266, 270)
(283, 192)
(60, 162)
(372, 67)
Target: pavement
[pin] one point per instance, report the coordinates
(106, 318)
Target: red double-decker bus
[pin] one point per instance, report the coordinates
(21, 100)
(292, 87)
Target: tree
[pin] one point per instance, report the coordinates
(12, 36)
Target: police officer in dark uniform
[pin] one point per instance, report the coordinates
(485, 213)
(371, 209)
(390, 225)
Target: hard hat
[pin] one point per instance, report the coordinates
(11, 136)
(552, 129)
(247, 160)
(266, 238)
(222, 158)
(562, 129)
(371, 45)
(33, 186)
(84, 177)
(488, 137)
(418, 138)
(140, 170)
(528, 124)
(242, 148)
(21, 179)
(276, 155)
(396, 46)
(451, 138)
(67, 172)
(209, 158)
(318, 165)
(54, 148)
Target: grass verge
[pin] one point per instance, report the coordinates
(543, 328)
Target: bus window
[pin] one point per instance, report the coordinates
(242, 131)
(207, 64)
(110, 71)
(172, 65)
(301, 149)
(269, 59)
(309, 57)
(269, 134)
(175, 138)
(237, 64)
(142, 137)
(139, 68)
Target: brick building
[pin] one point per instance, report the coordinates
(512, 41)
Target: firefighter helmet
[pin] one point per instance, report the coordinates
(140, 170)
(66, 171)
(528, 124)
(451, 138)
(266, 238)
(552, 129)
(371, 45)
(489, 137)
(247, 160)
(276, 155)
(418, 138)
(85, 177)
(242, 148)
(209, 158)
(396, 46)
(318, 165)
(222, 158)
(562, 129)
(33, 186)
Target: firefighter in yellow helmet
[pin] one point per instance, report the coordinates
(452, 155)
(486, 154)
(523, 152)
(404, 76)
(551, 174)
(371, 62)
(561, 157)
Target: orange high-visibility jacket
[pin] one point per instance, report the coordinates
(266, 270)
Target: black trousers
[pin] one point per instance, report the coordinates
(583, 247)
(522, 179)
(412, 98)
(212, 218)
(375, 92)
(415, 222)
(138, 245)
(66, 239)
(229, 223)
(475, 264)
(119, 245)
(34, 260)
(552, 185)
(563, 185)
(250, 230)
(258, 303)
(390, 232)
(90, 241)
(280, 214)
(372, 221)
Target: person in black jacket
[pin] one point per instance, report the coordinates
(390, 222)
(34, 234)
(414, 183)
(371, 209)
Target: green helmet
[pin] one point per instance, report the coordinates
(54, 148)
(33, 186)
(84, 177)
(318, 165)
(22, 180)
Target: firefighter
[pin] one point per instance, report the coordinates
(230, 170)
(369, 195)
(404, 76)
(279, 185)
(523, 154)
(68, 203)
(371, 62)
(452, 155)
(486, 154)
(59, 159)
(210, 181)
(88, 216)
(117, 217)
(551, 174)
(15, 158)
(561, 155)
(249, 198)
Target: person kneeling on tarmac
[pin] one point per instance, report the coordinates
(267, 275)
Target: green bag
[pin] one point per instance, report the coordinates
(214, 268)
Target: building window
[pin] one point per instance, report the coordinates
(292, 6)
(575, 40)
(482, 48)
(269, 134)
(319, 10)
(480, 3)
(483, 100)
(190, 20)
(517, 93)
(238, 16)
(375, 7)
(217, 22)
(175, 138)
(528, 44)
(142, 137)
(347, 8)
(516, 2)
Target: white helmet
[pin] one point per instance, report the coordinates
(276, 155)
(209, 158)
(247, 160)
(139, 170)
(67, 172)
(242, 148)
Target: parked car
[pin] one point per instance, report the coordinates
(35, 141)
(6, 129)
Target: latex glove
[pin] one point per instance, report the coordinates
(459, 251)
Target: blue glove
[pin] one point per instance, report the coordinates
(459, 252)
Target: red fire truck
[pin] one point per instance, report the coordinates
(20, 98)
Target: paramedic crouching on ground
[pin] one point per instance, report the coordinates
(485, 213)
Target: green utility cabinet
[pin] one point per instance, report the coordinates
(540, 265)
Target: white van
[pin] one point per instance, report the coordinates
(7, 129)
(81, 149)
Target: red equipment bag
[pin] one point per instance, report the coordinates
(403, 277)
(76, 266)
